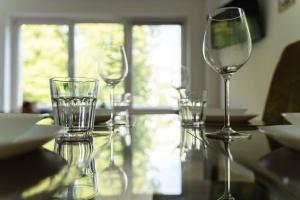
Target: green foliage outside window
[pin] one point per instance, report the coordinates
(44, 54)
(142, 69)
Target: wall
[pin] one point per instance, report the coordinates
(4, 76)
(250, 85)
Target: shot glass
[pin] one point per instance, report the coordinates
(192, 109)
(73, 103)
(121, 109)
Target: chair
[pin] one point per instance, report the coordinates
(284, 93)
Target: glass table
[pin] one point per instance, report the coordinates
(153, 159)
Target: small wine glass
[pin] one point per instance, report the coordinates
(113, 68)
(181, 86)
(226, 48)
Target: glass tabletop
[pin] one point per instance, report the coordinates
(154, 158)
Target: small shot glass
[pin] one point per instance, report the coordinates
(192, 109)
(121, 109)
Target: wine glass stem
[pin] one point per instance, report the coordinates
(227, 116)
(112, 150)
(112, 103)
(227, 171)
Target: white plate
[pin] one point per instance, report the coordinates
(102, 115)
(220, 112)
(19, 134)
(102, 112)
(236, 115)
(293, 118)
(287, 135)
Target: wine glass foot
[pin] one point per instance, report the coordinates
(226, 197)
(109, 123)
(227, 134)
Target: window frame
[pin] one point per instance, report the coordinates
(128, 23)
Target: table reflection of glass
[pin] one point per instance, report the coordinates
(148, 153)
(113, 178)
(192, 139)
(75, 153)
(227, 194)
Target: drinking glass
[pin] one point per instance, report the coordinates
(121, 108)
(73, 104)
(192, 108)
(112, 68)
(226, 48)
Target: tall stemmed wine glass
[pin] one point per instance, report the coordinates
(226, 48)
(113, 68)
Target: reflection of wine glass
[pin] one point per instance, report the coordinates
(113, 179)
(113, 68)
(226, 48)
(227, 195)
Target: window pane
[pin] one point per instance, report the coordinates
(44, 53)
(156, 64)
(90, 39)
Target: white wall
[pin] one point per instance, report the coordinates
(249, 87)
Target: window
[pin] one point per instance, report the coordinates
(40, 59)
(89, 39)
(69, 48)
(156, 64)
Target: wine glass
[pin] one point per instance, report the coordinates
(113, 68)
(181, 86)
(226, 48)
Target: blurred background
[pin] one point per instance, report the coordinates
(40, 39)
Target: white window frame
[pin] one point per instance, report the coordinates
(128, 23)
(192, 12)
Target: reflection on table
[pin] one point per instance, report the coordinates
(155, 158)
(166, 161)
